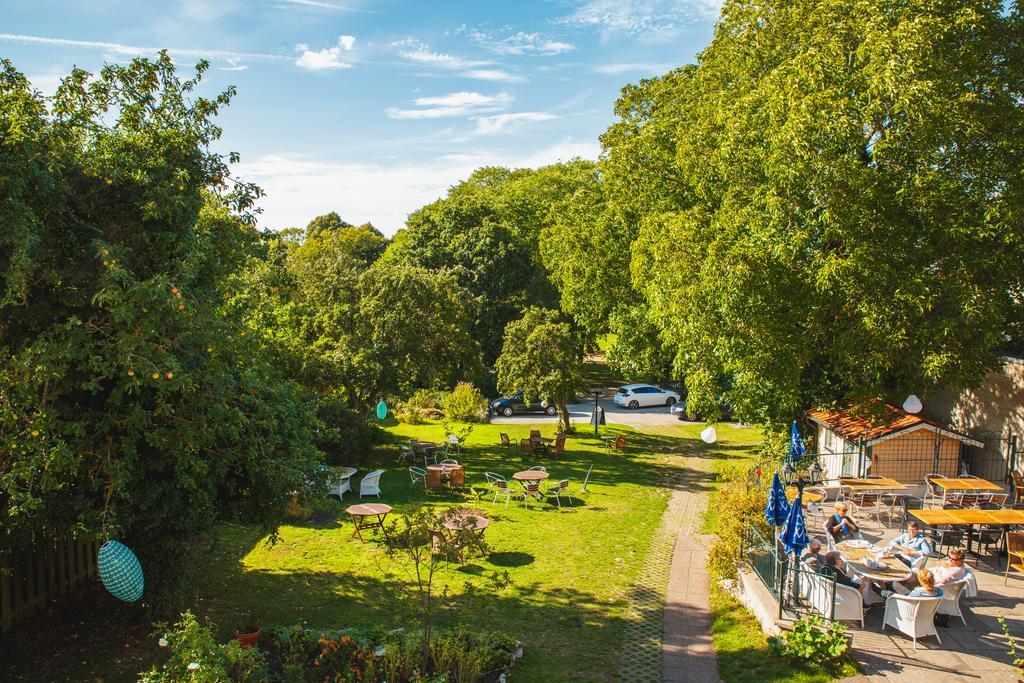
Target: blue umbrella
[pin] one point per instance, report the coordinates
(796, 445)
(794, 536)
(778, 507)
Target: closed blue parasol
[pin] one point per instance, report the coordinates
(778, 507)
(796, 445)
(794, 535)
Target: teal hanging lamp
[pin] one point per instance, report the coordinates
(120, 571)
(382, 410)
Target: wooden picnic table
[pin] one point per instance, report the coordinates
(856, 559)
(868, 485)
(361, 513)
(532, 476)
(964, 484)
(809, 496)
(969, 518)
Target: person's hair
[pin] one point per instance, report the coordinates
(956, 554)
(840, 506)
(914, 524)
(927, 580)
(832, 558)
(813, 543)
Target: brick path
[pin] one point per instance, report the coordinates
(668, 628)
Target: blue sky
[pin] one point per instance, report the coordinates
(373, 108)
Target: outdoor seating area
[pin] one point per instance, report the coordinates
(877, 547)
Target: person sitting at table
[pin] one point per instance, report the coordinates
(840, 525)
(912, 547)
(927, 589)
(952, 569)
(834, 566)
(813, 557)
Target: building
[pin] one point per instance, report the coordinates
(900, 445)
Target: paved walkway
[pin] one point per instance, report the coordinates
(668, 628)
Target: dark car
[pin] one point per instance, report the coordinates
(684, 414)
(514, 404)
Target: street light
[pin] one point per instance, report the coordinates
(791, 476)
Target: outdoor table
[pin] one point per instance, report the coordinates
(969, 518)
(869, 485)
(809, 496)
(423, 446)
(436, 473)
(856, 560)
(967, 484)
(531, 476)
(465, 521)
(361, 513)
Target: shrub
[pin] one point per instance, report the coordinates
(812, 642)
(423, 405)
(345, 437)
(745, 503)
(197, 656)
(465, 403)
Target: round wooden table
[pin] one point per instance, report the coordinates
(531, 476)
(436, 474)
(856, 560)
(467, 523)
(361, 514)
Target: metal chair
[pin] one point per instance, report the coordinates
(996, 499)
(505, 441)
(501, 489)
(449, 461)
(987, 537)
(559, 490)
(531, 490)
(526, 446)
(538, 468)
(816, 508)
(868, 501)
(491, 478)
(534, 434)
(417, 474)
(931, 491)
(1014, 553)
(966, 500)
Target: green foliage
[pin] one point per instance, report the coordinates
(464, 403)
(826, 207)
(1011, 643)
(346, 436)
(134, 400)
(486, 231)
(195, 655)
(812, 641)
(543, 356)
(745, 505)
(365, 242)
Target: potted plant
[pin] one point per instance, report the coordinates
(249, 632)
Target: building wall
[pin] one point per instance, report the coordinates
(909, 457)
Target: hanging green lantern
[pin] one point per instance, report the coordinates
(120, 571)
(382, 410)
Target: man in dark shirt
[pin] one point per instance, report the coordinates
(813, 557)
(834, 567)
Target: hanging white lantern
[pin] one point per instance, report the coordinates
(912, 404)
(709, 435)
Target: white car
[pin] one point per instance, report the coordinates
(641, 395)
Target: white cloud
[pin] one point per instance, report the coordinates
(300, 188)
(648, 18)
(456, 104)
(517, 43)
(320, 5)
(328, 58)
(234, 66)
(503, 123)
(615, 69)
(419, 52)
(132, 50)
(496, 75)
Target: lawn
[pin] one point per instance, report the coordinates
(571, 570)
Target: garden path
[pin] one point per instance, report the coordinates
(668, 632)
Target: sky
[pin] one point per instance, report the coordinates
(374, 108)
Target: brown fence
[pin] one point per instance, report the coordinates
(40, 571)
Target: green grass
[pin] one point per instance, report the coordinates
(571, 569)
(743, 652)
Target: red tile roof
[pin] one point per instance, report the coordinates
(860, 428)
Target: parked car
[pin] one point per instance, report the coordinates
(642, 395)
(511, 405)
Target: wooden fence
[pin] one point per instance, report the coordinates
(40, 571)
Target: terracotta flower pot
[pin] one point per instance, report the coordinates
(249, 636)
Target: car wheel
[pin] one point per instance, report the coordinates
(551, 410)
(633, 405)
(670, 402)
(506, 411)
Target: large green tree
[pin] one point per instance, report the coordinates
(542, 355)
(829, 205)
(487, 231)
(134, 402)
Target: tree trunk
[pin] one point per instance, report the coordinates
(564, 407)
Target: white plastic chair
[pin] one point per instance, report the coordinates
(370, 485)
(338, 487)
(849, 603)
(951, 593)
(913, 616)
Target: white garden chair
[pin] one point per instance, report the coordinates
(913, 616)
(417, 475)
(370, 485)
(501, 489)
(848, 605)
(338, 487)
(951, 593)
(558, 490)
(492, 479)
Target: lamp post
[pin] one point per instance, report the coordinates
(596, 418)
(792, 477)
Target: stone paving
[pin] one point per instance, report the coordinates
(668, 622)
